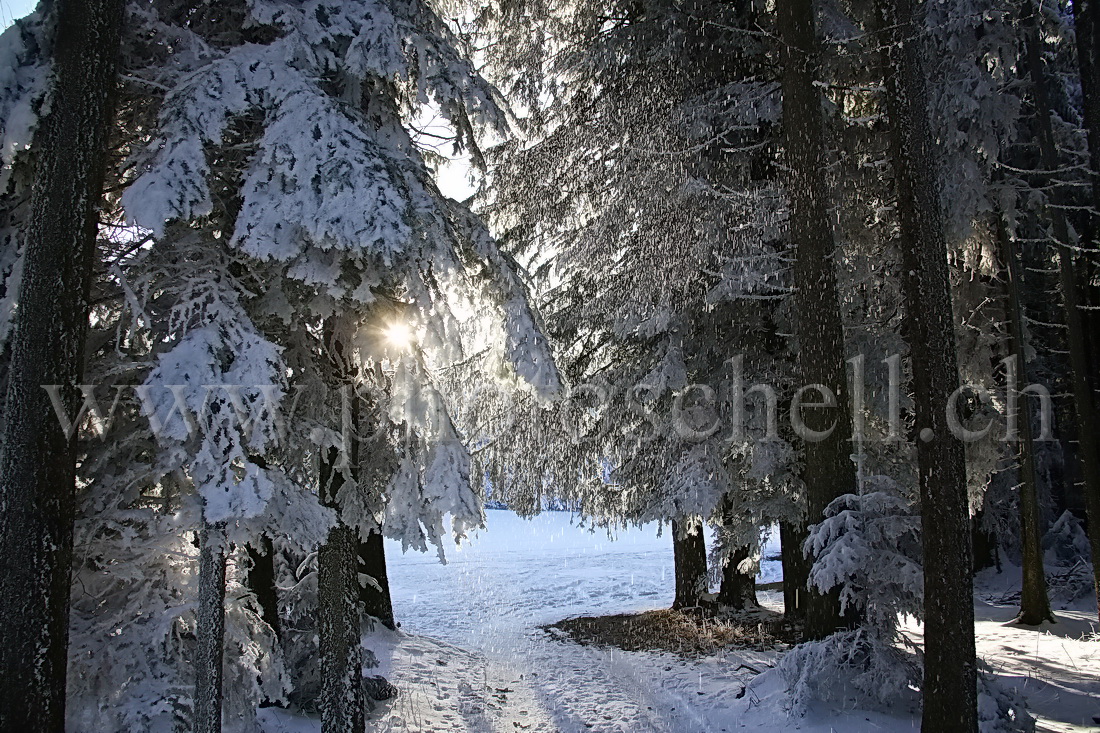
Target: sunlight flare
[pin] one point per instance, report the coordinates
(398, 334)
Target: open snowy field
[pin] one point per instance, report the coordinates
(470, 656)
(521, 573)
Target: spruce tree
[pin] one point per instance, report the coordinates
(1034, 601)
(828, 471)
(268, 180)
(639, 195)
(950, 683)
(37, 459)
(1084, 398)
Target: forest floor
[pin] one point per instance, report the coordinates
(482, 650)
(692, 633)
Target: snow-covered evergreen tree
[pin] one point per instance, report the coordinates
(644, 198)
(271, 184)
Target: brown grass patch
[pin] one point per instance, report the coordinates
(689, 633)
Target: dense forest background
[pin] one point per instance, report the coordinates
(822, 270)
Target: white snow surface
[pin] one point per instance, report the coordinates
(470, 655)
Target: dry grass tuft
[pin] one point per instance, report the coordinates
(689, 633)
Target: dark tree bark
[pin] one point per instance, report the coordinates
(343, 557)
(338, 616)
(372, 562)
(984, 543)
(1083, 402)
(689, 552)
(795, 569)
(261, 581)
(950, 674)
(338, 627)
(1034, 602)
(1087, 32)
(37, 466)
(829, 471)
(210, 630)
(738, 590)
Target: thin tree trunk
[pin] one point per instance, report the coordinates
(829, 471)
(372, 562)
(950, 673)
(795, 569)
(1083, 405)
(690, 558)
(738, 590)
(261, 581)
(37, 466)
(210, 630)
(1034, 602)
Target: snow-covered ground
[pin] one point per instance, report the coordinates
(470, 655)
(1055, 666)
(522, 573)
(495, 592)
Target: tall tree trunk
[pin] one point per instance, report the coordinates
(338, 592)
(795, 569)
(372, 561)
(210, 630)
(342, 708)
(37, 466)
(1034, 602)
(1083, 404)
(261, 581)
(689, 553)
(338, 615)
(828, 471)
(738, 590)
(950, 674)
(1087, 31)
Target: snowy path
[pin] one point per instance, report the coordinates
(472, 659)
(550, 686)
(470, 656)
(496, 591)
